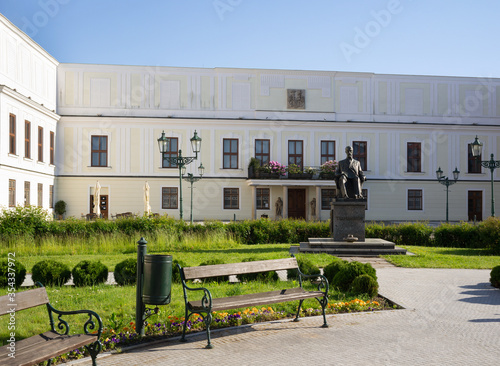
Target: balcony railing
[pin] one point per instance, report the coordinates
(314, 173)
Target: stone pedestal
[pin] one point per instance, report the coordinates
(348, 217)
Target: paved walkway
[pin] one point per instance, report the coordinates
(452, 317)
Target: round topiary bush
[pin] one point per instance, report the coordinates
(214, 279)
(50, 272)
(88, 273)
(365, 284)
(495, 276)
(268, 276)
(344, 278)
(125, 272)
(19, 273)
(333, 268)
(306, 267)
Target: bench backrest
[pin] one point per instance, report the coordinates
(23, 300)
(191, 273)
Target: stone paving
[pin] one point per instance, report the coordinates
(451, 317)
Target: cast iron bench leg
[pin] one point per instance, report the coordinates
(208, 320)
(298, 311)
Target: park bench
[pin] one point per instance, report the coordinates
(207, 304)
(57, 341)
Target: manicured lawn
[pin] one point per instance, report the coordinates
(432, 257)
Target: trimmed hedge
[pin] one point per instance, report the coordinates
(35, 223)
(50, 273)
(495, 276)
(89, 273)
(345, 276)
(125, 272)
(19, 273)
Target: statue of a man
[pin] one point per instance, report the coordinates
(349, 177)
(279, 207)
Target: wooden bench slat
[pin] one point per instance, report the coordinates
(36, 349)
(23, 300)
(271, 297)
(191, 273)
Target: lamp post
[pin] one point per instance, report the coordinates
(446, 182)
(191, 179)
(492, 164)
(179, 160)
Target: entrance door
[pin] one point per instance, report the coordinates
(475, 205)
(297, 203)
(103, 198)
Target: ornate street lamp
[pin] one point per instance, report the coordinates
(492, 164)
(179, 160)
(191, 179)
(445, 181)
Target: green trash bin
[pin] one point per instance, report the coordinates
(157, 279)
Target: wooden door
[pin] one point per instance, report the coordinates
(475, 206)
(104, 205)
(297, 203)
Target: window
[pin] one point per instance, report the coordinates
(12, 193)
(231, 198)
(473, 164)
(169, 197)
(173, 145)
(51, 196)
(12, 134)
(40, 195)
(263, 199)
(360, 153)
(26, 193)
(295, 152)
(415, 199)
(40, 144)
(99, 153)
(262, 151)
(327, 151)
(230, 154)
(327, 195)
(413, 157)
(52, 144)
(27, 139)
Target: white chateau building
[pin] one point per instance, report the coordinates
(63, 127)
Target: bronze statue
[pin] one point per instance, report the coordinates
(349, 177)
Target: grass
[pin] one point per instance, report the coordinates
(432, 257)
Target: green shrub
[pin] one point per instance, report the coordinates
(489, 231)
(344, 278)
(89, 273)
(24, 220)
(218, 278)
(125, 272)
(463, 235)
(333, 268)
(306, 267)
(19, 273)
(413, 234)
(495, 276)
(50, 272)
(176, 275)
(365, 284)
(268, 276)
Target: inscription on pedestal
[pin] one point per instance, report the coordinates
(348, 218)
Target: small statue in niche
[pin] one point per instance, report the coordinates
(313, 207)
(349, 177)
(279, 207)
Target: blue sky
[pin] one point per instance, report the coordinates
(424, 37)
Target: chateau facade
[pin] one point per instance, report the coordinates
(101, 123)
